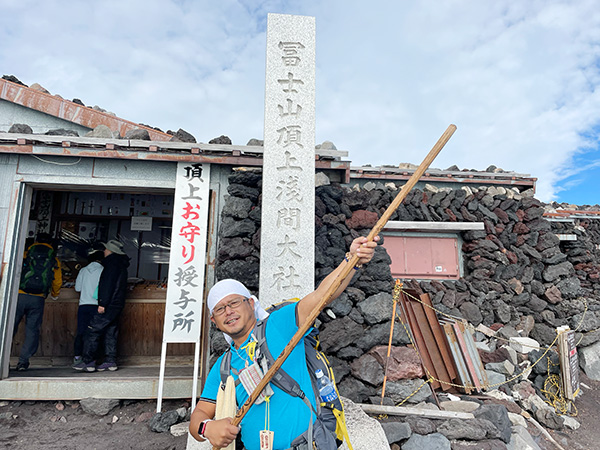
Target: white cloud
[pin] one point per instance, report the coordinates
(519, 79)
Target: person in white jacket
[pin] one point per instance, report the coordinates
(87, 283)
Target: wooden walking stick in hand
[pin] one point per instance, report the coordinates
(343, 274)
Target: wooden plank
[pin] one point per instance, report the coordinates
(420, 412)
(404, 319)
(134, 330)
(419, 341)
(434, 352)
(569, 362)
(140, 330)
(150, 338)
(465, 352)
(439, 336)
(473, 353)
(158, 314)
(48, 337)
(463, 373)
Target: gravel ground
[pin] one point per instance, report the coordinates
(64, 425)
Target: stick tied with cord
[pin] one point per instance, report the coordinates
(406, 188)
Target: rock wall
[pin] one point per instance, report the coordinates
(516, 273)
(584, 253)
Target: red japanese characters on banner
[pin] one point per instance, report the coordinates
(188, 244)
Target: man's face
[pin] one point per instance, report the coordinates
(236, 322)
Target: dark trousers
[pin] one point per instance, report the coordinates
(32, 307)
(85, 313)
(106, 325)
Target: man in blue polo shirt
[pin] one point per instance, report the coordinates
(235, 312)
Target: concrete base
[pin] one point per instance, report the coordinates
(67, 384)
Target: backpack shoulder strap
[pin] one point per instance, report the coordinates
(281, 379)
(225, 367)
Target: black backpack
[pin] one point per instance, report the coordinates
(38, 270)
(330, 427)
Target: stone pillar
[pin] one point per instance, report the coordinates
(288, 194)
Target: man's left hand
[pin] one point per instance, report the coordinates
(363, 248)
(101, 310)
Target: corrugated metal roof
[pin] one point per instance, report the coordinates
(567, 214)
(398, 173)
(151, 150)
(72, 112)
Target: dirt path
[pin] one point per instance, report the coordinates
(587, 437)
(41, 425)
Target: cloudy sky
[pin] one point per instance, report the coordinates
(519, 78)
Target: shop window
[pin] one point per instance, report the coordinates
(423, 257)
(79, 221)
(141, 221)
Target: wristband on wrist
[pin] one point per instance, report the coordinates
(202, 428)
(347, 259)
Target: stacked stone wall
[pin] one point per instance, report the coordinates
(584, 252)
(516, 273)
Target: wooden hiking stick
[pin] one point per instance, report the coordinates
(343, 274)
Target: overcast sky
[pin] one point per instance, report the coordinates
(519, 78)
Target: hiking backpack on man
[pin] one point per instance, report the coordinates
(41, 275)
(330, 422)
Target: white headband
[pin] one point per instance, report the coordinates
(227, 287)
(224, 288)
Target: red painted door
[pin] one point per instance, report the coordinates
(423, 257)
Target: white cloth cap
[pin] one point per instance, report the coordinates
(227, 287)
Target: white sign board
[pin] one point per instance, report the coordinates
(183, 311)
(141, 223)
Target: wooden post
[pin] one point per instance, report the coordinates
(397, 289)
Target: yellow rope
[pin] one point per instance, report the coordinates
(553, 393)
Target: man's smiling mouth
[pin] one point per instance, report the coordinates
(231, 321)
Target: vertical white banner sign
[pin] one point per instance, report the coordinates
(183, 311)
(288, 195)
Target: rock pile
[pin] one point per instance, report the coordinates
(508, 417)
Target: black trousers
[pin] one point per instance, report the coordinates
(32, 307)
(102, 325)
(85, 313)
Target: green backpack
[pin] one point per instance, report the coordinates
(38, 270)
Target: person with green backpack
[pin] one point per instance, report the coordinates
(41, 275)
(289, 411)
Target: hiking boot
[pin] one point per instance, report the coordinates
(107, 365)
(77, 360)
(82, 366)
(22, 367)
